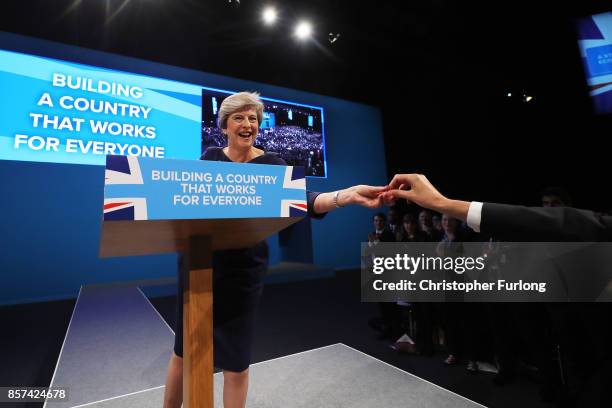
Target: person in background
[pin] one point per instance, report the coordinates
(436, 221)
(388, 321)
(410, 231)
(453, 311)
(395, 220)
(555, 197)
(381, 233)
(426, 226)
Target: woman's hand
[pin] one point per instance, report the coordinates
(366, 196)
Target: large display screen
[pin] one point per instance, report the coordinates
(294, 131)
(595, 41)
(65, 112)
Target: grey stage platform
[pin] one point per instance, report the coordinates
(115, 355)
(116, 344)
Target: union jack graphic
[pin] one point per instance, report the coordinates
(295, 179)
(293, 208)
(129, 208)
(124, 170)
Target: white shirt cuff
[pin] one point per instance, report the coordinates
(474, 214)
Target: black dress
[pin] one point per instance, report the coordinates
(237, 287)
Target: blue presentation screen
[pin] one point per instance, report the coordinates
(595, 41)
(66, 112)
(58, 111)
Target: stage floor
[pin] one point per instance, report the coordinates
(117, 347)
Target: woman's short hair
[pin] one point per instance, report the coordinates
(239, 102)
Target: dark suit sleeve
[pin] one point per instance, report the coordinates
(517, 223)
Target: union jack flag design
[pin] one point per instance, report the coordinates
(124, 170)
(129, 208)
(294, 178)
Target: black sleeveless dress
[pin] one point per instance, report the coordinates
(237, 287)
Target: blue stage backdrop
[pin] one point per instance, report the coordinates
(52, 211)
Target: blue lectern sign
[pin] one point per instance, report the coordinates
(138, 188)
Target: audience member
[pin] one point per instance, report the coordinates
(426, 226)
(381, 233)
(409, 231)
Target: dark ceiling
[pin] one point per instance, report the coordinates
(383, 44)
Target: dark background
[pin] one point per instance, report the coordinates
(438, 69)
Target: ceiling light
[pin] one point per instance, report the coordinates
(303, 30)
(269, 15)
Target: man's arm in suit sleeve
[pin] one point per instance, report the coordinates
(507, 222)
(512, 222)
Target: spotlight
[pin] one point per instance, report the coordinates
(269, 15)
(303, 30)
(527, 98)
(509, 94)
(333, 37)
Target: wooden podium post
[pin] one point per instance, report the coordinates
(198, 325)
(142, 216)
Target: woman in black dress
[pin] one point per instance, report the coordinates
(238, 273)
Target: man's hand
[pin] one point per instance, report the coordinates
(417, 189)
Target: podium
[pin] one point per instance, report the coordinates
(154, 206)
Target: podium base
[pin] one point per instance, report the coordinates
(198, 325)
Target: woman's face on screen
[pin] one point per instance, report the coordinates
(242, 128)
